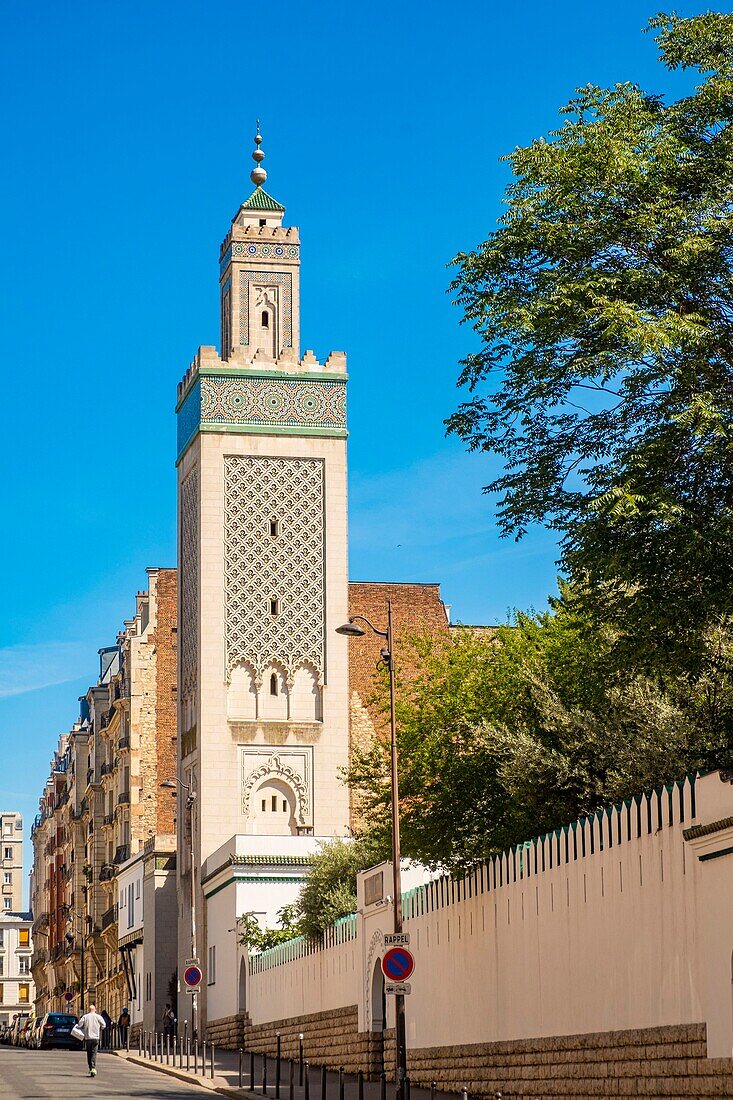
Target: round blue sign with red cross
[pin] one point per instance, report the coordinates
(398, 964)
(192, 975)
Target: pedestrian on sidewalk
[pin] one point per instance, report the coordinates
(106, 1040)
(92, 1025)
(169, 1021)
(123, 1024)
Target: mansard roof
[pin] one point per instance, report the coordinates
(260, 200)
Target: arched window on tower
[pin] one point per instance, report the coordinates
(273, 684)
(265, 319)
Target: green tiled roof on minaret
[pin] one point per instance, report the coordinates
(260, 200)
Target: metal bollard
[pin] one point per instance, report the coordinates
(195, 1056)
(383, 1086)
(212, 1061)
(127, 1040)
(168, 1049)
(406, 1090)
(307, 1081)
(277, 1068)
(291, 1080)
(360, 1085)
(464, 1094)
(241, 1055)
(203, 1057)
(341, 1083)
(433, 1087)
(264, 1075)
(188, 1054)
(323, 1083)
(251, 1071)
(300, 1060)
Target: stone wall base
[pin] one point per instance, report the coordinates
(330, 1039)
(651, 1062)
(228, 1032)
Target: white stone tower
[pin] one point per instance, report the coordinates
(263, 693)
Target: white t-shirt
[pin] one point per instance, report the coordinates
(92, 1024)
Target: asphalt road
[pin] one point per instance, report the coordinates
(62, 1075)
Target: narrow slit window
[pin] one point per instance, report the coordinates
(265, 319)
(274, 803)
(274, 528)
(263, 221)
(285, 806)
(274, 608)
(273, 684)
(264, 804)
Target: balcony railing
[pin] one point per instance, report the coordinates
(106, 769)
(90, 776)
(109, 917)
(123, 743)
(106, 873)
(122, 854)
(108, 819)
(39, 957)
(123, 798)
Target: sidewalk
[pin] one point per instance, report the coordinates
(225, 1081)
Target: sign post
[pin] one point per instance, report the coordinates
(192, 978)
(397, 966)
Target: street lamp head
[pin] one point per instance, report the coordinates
(168, 784)
(351, 630)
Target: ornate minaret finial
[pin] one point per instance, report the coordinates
(258, 175)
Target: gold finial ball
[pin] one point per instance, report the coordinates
(258, 175)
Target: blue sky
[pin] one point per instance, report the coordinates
(126, 138)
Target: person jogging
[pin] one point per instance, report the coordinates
(92, 1025)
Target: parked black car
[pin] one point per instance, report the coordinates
(55, 1032)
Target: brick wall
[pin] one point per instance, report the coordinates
(164, 639)
(417, 609)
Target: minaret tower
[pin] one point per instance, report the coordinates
(262, 675)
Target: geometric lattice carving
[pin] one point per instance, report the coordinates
(280, 402)
(282, 279)
(188, 630)
(287, 567)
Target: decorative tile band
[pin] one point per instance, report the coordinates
(249, 250)
(285, 404)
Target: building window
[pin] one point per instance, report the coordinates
(265, 319)
(23, 993)
(263, 222)
(273, 684)
(2, 992)
(8, 853)
(264, 804)
(274, 528)
(24, 965)
(8, 878)
(2, 965)
(2, 938)
(24, 937)
(274, 608)
(212, 966)
(8, 828)
(7, 902)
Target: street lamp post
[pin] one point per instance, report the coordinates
(352, 630)
(170, 784)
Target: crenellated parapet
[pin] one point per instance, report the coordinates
(257, 394)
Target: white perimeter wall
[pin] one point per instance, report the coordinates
(638, 932)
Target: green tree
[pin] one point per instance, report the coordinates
(506, 734)
(604, 378)
(329, 889)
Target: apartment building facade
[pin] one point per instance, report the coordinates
(101, 804)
